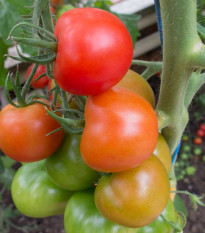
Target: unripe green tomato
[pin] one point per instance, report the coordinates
(63, 9)
(67, 169)
(186, 148)
(35, 195)
(184, 156)
(190, 170)
(197, 151)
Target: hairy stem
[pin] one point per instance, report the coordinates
(179, 45)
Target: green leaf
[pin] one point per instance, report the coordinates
(179, 205)
(10, 213)
(7, 162)
(201, 30)
(130, 22)
(3, 71)
(202, 99)
(6, 177)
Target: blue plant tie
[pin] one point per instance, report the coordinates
(159, 20)
(174, 157)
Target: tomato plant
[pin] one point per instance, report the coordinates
(88, 53)
(35, 195)
(85, 64)
(42, 82)
(139, 203)
(23, 134)
(128, 131)
(67, 162)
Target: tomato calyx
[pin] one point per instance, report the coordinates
(179, 224)
(41, 36)
(74, 124)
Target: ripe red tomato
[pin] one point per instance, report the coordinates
(121, 130)
(23, 133)
(136, 197)
(42, 82)
(200, 133)
(134, 82)
(202, 126)
(94, 52)
(197, 141)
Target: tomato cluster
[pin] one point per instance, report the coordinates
(120, 137)
(200, 134)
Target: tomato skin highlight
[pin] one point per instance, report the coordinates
(135, 82)
(67, 169)
(23, 133)
(94, 52)
(35, 195)
(121, 131)
(136, 197)
(81, 215)
(42, 82)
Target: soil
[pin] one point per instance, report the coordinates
(194, 184)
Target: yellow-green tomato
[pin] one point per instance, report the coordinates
(136, 197)
(35, 195)
(136, 83)
(163, 153)
(67, 169)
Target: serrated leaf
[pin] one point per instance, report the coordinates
(179, 205)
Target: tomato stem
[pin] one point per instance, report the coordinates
(26, 86)
(37, 42)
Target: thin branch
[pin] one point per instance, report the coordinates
(198, 56)
(152, 67)
(195, 83)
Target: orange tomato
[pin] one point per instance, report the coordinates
(136, 197)
(121, 130)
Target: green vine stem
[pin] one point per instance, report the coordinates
(180, 54)
(152, 67)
